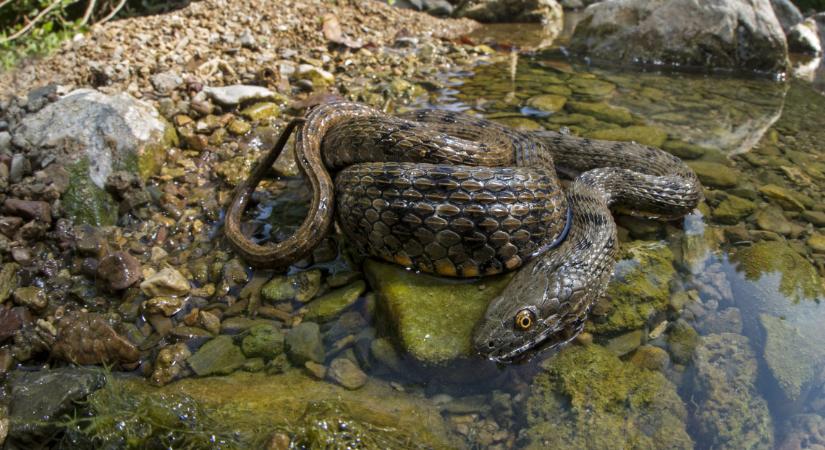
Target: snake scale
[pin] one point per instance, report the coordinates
(460, 196)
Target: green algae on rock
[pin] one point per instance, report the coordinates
(245, 410)
(332, 304)
(729, 411)
(85, 202)
(733, 209)
(602, 111)
(433, 318)
(639, 287)
(588, 398)
(642, 134)
(218, 356)
(791, 353)
(715, 175)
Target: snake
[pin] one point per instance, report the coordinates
(456, 195)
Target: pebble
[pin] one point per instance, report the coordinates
(239, 93)
(119, 270)
(303, 343)
(29, 209)
(167, 282)
(31, 297)
(346, 373)
(170, 364)
(167, 306)
(319, 371)
(217, 357)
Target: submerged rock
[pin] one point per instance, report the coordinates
(88, 338)
(729, 411)
(803, 431)
(346, 373)
(645, 135)
(244, 410)
(433, 318)
(735, 34)
(263, 341)
(38, 400)
(332, 304)
(715, 175)
(219, 356)
(303, 343)
(167, 282)
(638, 289)
(588, 398)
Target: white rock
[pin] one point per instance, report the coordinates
(238, 93)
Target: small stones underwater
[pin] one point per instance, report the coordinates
(703, 340)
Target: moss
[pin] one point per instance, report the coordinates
(589, 398)
(733, 209)
(714, 174)
(244, 410)
(645, 135)
(799, 279)
(152, 156)
(432, 317)
(332, 304)
(8, 280)
(86, 203)
(682, 340)
(639, 288)
(602, 111)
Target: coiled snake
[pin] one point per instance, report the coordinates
(460, 196)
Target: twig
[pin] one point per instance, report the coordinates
(112, 13)
(90, 8)
(28, 26)
(4, 3)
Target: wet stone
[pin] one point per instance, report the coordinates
(317, 371)
(645, 135)
(28, 209)
(239, 127)
(625, 343)
(170, 364)
(31, 297)
(602, 111)
(684, 150)
(330, 305)
(167, 282)
(261, 111)
(815, 217)
(728, 320)
(716, 175)
(263, 341)
(12, 320)
(772, 219)
(787, 199)
(817, 242)
(119, 270)
(167, 306)
(39, 399)
(346, 373)
(682, 340)
(220, 356)
(237, 325)
(547, 102)
(8, 280)
(733, 209)
(303, 343)
(302, 287)
(384, 352)
(88, 338)
(650, 358)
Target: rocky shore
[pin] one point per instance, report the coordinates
(119, 154)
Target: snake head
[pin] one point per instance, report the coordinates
(538, 311)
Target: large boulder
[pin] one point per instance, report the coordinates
(545, 11)
(733, 34)
(93, 135)
(787, 13)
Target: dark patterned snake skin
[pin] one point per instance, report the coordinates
(459, 196)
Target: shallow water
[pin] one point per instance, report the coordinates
(710, 335)
(733, 302)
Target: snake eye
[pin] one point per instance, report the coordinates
(524, 319)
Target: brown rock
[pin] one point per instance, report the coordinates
(119, 270)
(12, 320)
(28, 209)
(87, 338)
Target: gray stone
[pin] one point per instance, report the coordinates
(5, 141)
(110, 131)
(218, 356)
(238, 93)
(39, 399)
(166, 82)
(787, 13)
(303, 343)
(736, 34)
(346, 373)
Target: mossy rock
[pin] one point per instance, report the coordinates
(519, 123)
(431, 317)
(85, 202)
(733, 209)
(642, 134)
(588, 398)
(332, 304)
(715, 175)
(639, 287)
(245, 410)
(602, 111)
(547, 102)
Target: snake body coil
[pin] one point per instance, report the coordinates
(460, 196)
